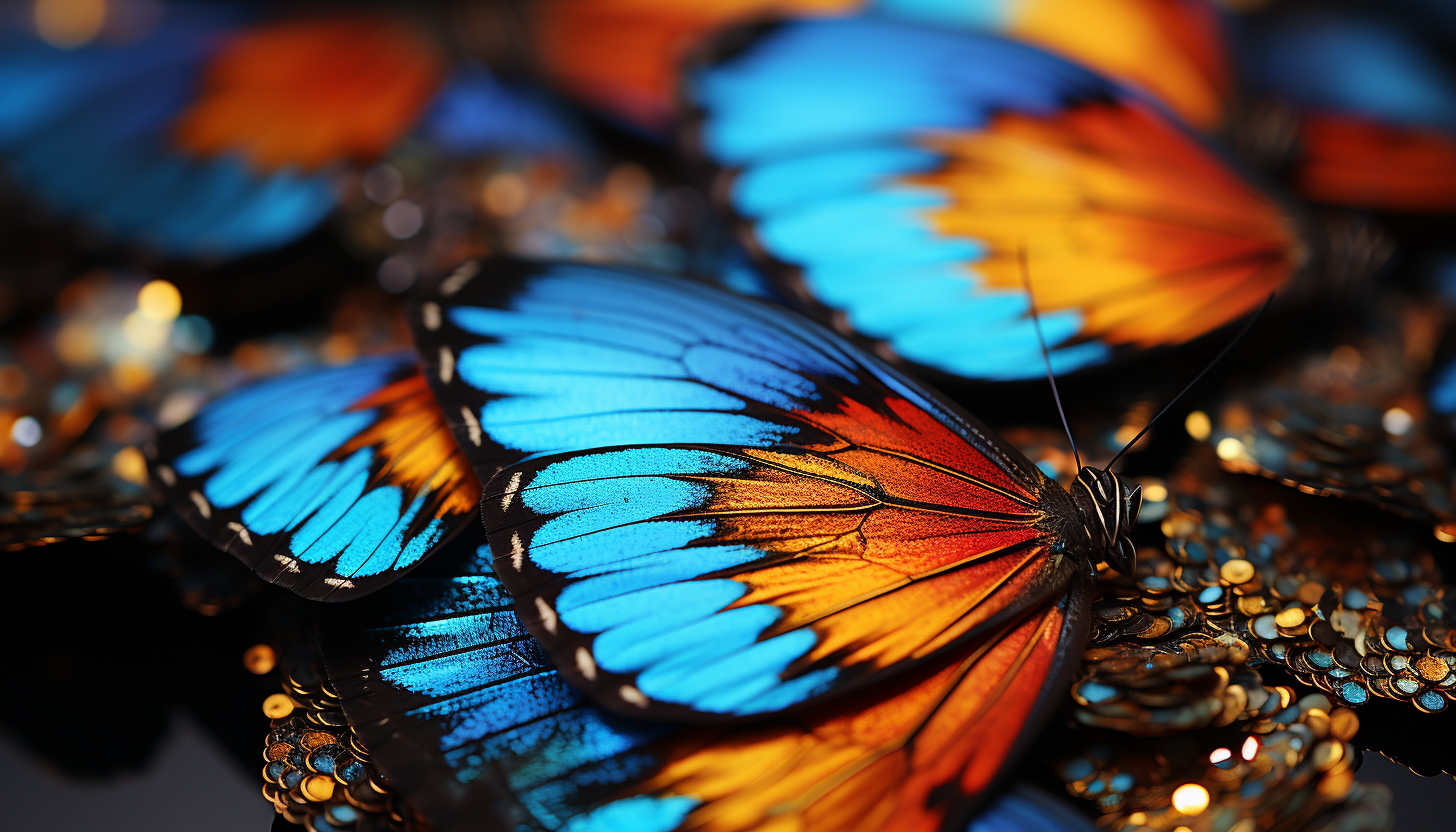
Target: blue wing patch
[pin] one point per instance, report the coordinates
(536, 358)
(328, 482)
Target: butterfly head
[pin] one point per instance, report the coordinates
(1108, 509)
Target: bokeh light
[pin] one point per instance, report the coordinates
(1198, 425)
(1190, 798)
(403, 219)
(25, 432)
(159, 301)
(67, 24)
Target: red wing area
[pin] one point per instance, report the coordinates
(913, 754)
(701, 581)
(331, 483)
(1351, 161)
(305, 93)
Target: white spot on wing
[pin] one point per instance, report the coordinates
(430, 315)
(167, 474)
(472, 424)
(548, 615)
(202, 505)
(518, 552)
(447, 365)
(632, 695)
(242, 532)
(339, 582)
(511, 488)
(458, 278)
(586, 664)
(287, 561)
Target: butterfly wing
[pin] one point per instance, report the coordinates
(1375, 107)
(683, 581)
(936, 158)
(330, 482)
(465, 716)
(308, 92)
(88, 131)
(532, 358)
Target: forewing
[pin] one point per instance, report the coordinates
(329, 482)
(536, 358)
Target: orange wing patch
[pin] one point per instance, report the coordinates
(310, 92)
(1124, 217)
(416, 449)
(1170, 48)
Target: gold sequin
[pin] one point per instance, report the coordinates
(318, 788)
(1290, 618)
(1237, 571)
(1431, 668)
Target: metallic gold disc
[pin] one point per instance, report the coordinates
(318, 788)
(277, 706)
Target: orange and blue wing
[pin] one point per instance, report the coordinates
(1375, 107)
(471, 723)
(218, 134)
(88, 131)
(936, 157)
(937, 527)
(692, 581)
(330, 482)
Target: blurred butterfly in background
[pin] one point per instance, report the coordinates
(705, 510)
(895, 215)
(207, 130)
(938, 151)
(898, 213)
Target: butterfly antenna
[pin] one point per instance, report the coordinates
(1046, 356)
(1210, 366)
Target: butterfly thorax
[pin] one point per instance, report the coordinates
(1107, 509)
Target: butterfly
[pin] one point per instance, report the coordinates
(214, 132)
(705, 508)
(936, 157)
(700, 509)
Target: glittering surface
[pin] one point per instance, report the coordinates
(316, 770)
